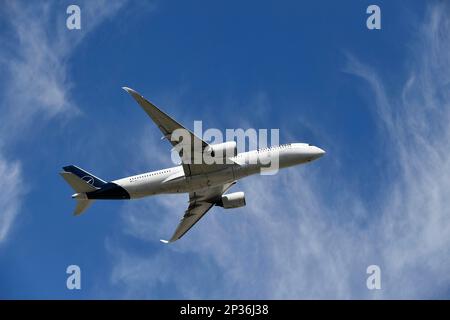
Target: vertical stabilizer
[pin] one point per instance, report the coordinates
(81, 182)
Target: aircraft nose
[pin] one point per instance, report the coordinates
(317, 152)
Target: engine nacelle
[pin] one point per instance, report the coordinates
(232, 200)
(223, 150)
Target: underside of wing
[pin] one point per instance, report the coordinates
(199, 204)
(193, 214)
(190, 148)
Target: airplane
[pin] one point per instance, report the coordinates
(206, 183)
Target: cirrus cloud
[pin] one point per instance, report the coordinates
(294, 240)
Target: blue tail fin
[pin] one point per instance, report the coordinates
(86, 176)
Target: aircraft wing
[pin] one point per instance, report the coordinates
(167, 125)
(199, 204)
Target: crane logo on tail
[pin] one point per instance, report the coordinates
(88, 179)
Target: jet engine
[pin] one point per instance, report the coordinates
(232, 200)
(222, 150)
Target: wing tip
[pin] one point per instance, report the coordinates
(165, 241)
(127, 89)
(136, 95)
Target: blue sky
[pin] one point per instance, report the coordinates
(377, 101)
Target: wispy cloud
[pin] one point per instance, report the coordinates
(12, 186)
(36, 85)
(294, 240)
(37, 54)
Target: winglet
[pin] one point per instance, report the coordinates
(136, 95)
(129, 90)
(164, 241)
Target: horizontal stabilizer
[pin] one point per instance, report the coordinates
(81, 206)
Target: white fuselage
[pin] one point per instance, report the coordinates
(173, 180)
